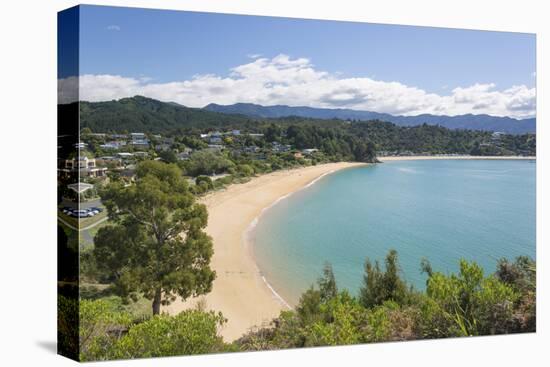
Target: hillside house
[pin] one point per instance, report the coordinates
(86, 167)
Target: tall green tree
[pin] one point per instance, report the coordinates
(205, 162)
(157, 245)
(168, 156)
(327, 284)
(380, 286)
(472, 303)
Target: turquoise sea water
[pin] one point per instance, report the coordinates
(443, 210)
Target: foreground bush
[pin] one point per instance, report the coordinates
(190, 332)
(108, 333)
(387, 309)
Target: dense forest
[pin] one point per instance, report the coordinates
(140, 114)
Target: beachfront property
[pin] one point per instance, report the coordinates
(280, 148)
(309, 151)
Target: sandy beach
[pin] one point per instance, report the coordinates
(239, 291)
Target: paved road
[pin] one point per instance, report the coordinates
(84, 228)
(88, 204)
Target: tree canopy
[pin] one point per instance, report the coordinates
(156, 245)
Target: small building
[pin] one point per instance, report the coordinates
(215, 147)
(118, 136)
(310, 151)
(139, 140)
(109, 146)
(98, 135)
(279, 148)
(113, 145)
(140, 144)
(125, 155)
(109, 160)
(86, 167)
(137, 136)
(215, 140)
(185, 154)
(162, 147)
(141, 154)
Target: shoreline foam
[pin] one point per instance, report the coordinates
(249, 243)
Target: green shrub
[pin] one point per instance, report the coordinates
(101, 325)
(205, 182)
(190, 332)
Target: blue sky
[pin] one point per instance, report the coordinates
(159, 47)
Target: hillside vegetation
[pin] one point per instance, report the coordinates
(140, 114)
(468, 303)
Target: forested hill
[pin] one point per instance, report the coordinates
(140, 114)
(469, 121)
(152, 116)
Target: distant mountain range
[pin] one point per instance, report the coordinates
(145, 114)
(149, 115)
(469, 121)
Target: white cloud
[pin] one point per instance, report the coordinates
(113, 27)
(296, 82)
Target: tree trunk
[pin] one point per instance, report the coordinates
(156, 302)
